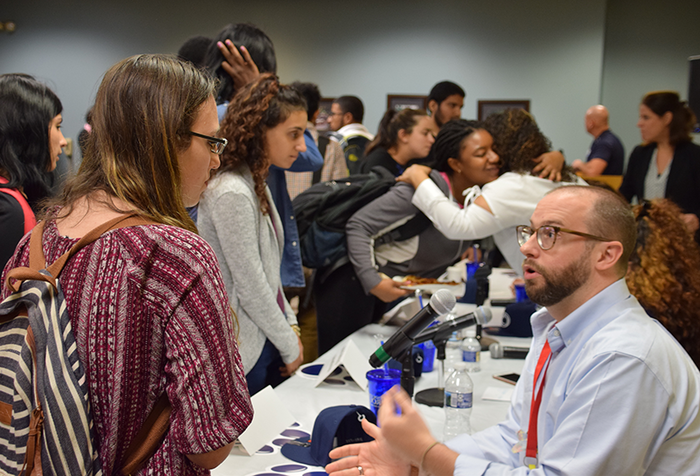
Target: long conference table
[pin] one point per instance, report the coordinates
(305, 401)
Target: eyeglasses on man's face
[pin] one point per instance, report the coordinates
(547, 235)
(216, 144)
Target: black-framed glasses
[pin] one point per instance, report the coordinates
(217, 144)
(547, 235)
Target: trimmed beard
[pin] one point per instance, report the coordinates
(559, 285)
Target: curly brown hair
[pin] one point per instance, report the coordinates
(664, 272)
(518, 141)
(256, 108)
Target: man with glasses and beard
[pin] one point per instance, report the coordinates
(605, 388)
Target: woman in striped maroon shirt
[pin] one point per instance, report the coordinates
(148, 305)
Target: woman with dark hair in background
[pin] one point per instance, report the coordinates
(30, 143)
(265, 126)
(664, 272)
(667, 164)
(403, 136)
(503, 204)
(147, 303)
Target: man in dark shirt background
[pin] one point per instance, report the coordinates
(606, 155)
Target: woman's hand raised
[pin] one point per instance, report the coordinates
(415, 175)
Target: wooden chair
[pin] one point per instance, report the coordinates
(614, 181)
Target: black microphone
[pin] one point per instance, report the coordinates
(442, 302)
(480, 316)
(499, 351)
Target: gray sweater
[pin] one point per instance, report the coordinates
(426, 255)
(248, 245)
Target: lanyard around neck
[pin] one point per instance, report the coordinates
(543, 361)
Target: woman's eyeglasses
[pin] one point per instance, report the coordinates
(217, 144)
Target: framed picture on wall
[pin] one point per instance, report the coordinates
(324, 112)
(399, 102)
(486, 108)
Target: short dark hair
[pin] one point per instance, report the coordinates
(26, 110)
(258, 44)
(353, 105)
(443, 90)
(661, 102)
(610, 217)
(312, 95)
(195, 50)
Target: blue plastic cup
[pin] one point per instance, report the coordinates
(471, 269)
(379, 381)
(428, 355)
(520, 294)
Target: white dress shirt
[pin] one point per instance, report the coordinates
(621, 398)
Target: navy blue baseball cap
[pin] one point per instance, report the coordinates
(334, 426)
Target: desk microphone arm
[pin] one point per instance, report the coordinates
(408, 378)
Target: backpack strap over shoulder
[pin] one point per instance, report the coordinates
(37, 261)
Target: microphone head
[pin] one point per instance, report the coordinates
(496, 351)
(443, 301)
(482, 315)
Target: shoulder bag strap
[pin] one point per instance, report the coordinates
(37, 261)
(149, 437)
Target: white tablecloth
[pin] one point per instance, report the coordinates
(305, 402)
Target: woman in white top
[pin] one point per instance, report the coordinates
(264, 125)
(499, 206)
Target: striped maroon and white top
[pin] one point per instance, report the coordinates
(150, 314)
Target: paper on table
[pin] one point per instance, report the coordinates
(498, 394)
(354, 362)
(270, 418)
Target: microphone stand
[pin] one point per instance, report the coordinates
(408, 378)
(482, 292)
(435, 397)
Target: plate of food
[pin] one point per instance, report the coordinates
(427, 285)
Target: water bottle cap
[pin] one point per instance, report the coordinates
(461, 365)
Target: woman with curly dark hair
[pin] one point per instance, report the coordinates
(664, 272)
(501, 205)
(264, 126)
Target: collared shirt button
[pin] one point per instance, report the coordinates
(557, 333)
(294, 243)
(291, 217)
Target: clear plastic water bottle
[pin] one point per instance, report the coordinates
(471, 351)
(459, 391)
(453, 352)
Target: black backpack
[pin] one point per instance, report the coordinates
(323, 210)
(354, 150)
